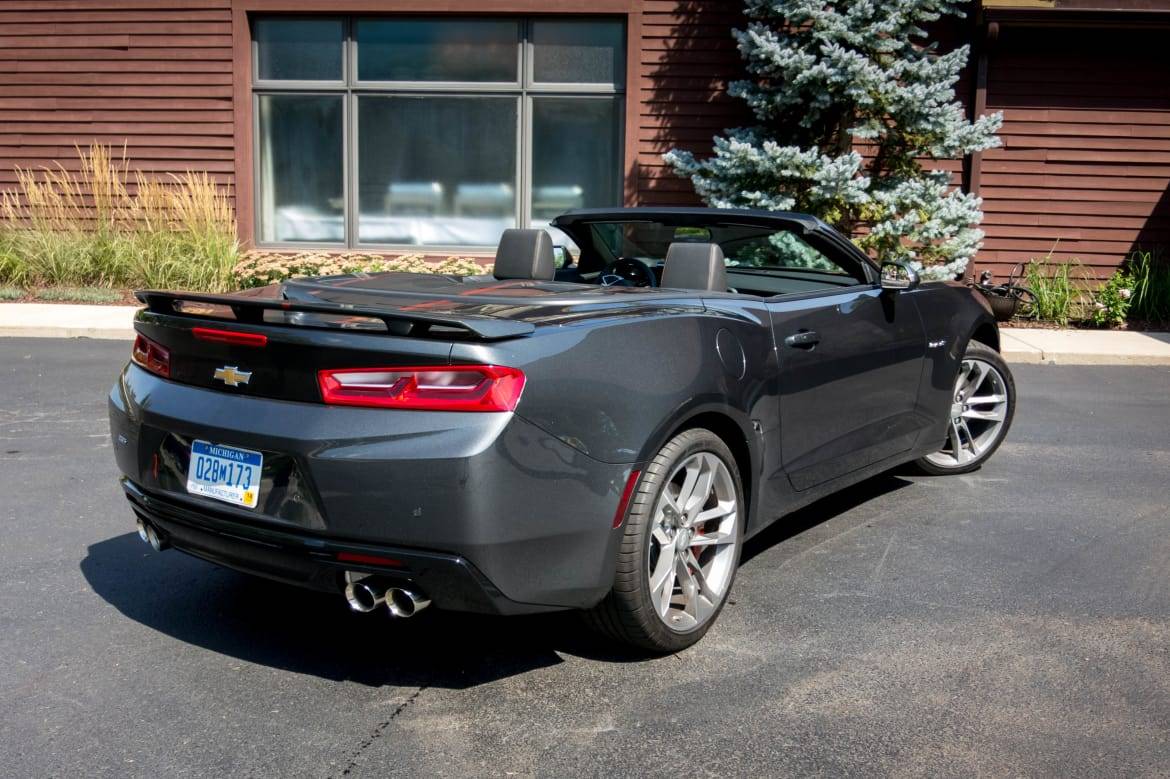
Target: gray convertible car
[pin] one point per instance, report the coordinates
(598, 430)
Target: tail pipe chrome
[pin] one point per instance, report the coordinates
(366, 592)
(150, 535)
(405, 603)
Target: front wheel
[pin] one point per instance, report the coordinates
(680, 547)
(982, 407)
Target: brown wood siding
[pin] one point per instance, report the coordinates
(1084, 171)
(687, 58)
(1085, 166)
(153, 75)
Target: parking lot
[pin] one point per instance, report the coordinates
(1014, 621)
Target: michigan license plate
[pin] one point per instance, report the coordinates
(225, 473)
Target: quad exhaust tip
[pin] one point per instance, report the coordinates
(151, 536)
(405, 603)
(366, 593)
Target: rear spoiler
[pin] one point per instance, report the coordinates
(250, 310)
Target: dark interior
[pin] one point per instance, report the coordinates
(760, 260)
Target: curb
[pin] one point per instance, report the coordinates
(99, 333)
(66, 320)
(1084, 347)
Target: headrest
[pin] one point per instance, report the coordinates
(525, 254)
(695, 266)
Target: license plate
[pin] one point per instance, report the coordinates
(225, 473)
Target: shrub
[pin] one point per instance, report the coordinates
(259, 268)
(1060, 290)
(11, 293)
(1112, 301)
(1151, 287)
(90, 229)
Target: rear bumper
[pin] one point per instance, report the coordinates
(450, 581)
(495, 513)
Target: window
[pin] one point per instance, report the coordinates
(419, 131)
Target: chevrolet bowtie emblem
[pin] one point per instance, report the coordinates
(232, 376)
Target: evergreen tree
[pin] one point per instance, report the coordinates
(830, 80)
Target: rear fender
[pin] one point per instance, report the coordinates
(732, 425)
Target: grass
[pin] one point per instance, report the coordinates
(11, 293)
(1151, 287)
(77, 295)
(106, 226)
(1061, 290)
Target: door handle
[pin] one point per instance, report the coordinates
(805, 339)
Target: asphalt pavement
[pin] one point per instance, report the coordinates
(1013, 621)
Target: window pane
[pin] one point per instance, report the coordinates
(300, 177)
(436, 170)
(437, 50)
(576, 52)
(576, 155)
(780, 249)
(298, 49)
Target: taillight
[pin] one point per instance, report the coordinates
(151, 356)
(432, 388)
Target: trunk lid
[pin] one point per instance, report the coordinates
(360, 321)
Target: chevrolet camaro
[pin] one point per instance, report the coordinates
(598, 427)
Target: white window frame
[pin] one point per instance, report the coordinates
(524, 89)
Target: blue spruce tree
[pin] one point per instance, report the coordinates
(829, 78)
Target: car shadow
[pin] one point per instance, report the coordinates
(822, 511)
(308, 632)
(279, 626)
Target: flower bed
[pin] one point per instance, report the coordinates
(260, 268)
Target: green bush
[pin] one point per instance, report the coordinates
(61, 228)
(1112, 301)
(11, 293)
(1061, 290)
(1151, 287)
(260, 268)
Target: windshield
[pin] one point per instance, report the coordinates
(745, 247)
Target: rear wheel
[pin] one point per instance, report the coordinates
(680, 547)
(982, 407)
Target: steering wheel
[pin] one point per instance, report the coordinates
(627, 272)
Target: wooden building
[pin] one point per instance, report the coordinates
(408, 125)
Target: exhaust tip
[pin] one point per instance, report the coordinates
(405, 603)
(150, 535)
(155, 540)
(364, 596)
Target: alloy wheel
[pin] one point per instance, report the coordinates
(979, 409)
(693, 542)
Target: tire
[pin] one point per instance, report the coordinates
(633, 611)
(978, 436)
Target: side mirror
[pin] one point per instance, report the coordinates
(898, 275)
(562, 258)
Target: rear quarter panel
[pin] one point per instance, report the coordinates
(617, 389)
